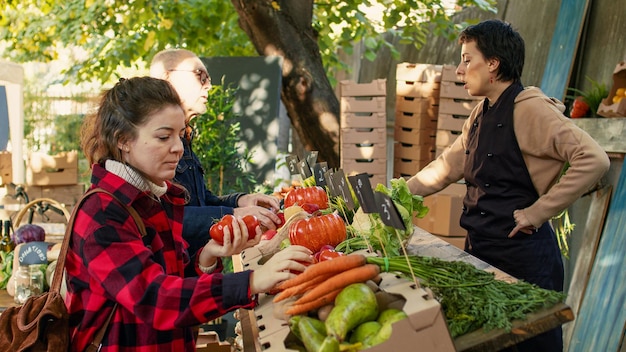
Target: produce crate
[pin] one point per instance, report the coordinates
(363, 120)
(457, 106)
(6, 168)
(359, 166)
(363, 104)
(426, 105)
(364, 151)
(417, 89)
(414, 136)
(408, 167)
(413, 151)
(445, 138)
(410, 72)
(363, 135)
(416, 120)
(377, 87)
(46, 170)
(451, 122)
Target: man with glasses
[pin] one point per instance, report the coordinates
(189, 77)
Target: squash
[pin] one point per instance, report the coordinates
(318, 231)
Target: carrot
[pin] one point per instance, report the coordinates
(326, 299)
(333, 266)
(299, 289)
(341, 280)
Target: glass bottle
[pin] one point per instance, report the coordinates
(6, 243)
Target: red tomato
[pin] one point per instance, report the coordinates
(317, 231)
(281, 216)
(303, 195)
(217, 230)
(268, 235)
(328, 254)
(251, 224)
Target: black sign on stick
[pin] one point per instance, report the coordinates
(311, 157)
(292, 164)
(341, 186)
(305, 169)
(363, 190)
(318, 170)
(328, 177)
(388, 212)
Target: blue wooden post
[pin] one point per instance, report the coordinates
(602, 316)
(563, 47)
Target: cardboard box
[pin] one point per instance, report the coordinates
(6, 168)
(445, 138)
(363, 120)
(377, 87)
(60, 169)
(363, 135)
(444, 212)
(414, 136)
(417, 89)
(413, 151)
(607, 108)
(408, 167)
(425, 326)
(364, 151)
(415, 120)
(448, 74)
(406, 71)
(360, 166)
(457, 106)
(363, 104)
(451, 122)
(418, 105)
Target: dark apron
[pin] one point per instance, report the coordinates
(498, 183)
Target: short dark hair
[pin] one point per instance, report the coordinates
(497, 39)
(122, 108)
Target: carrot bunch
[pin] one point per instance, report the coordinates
(320, 283)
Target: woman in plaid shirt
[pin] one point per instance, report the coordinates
(133, 144)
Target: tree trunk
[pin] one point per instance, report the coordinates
(283, 28)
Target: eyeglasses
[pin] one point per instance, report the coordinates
(203, 76)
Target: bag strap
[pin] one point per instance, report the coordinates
(58, 270)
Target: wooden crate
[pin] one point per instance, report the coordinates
(363, 104)
(363, 135)
(364, 151)
(414, 136)
(363, 120)
(418, 121)
(406, 71)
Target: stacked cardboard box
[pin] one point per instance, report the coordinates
(417, 100)
(48, 170)
(455, 106)
(6, 168)
(364, 129)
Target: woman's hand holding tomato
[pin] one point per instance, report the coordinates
(231, 235)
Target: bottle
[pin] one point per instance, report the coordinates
(6, 243)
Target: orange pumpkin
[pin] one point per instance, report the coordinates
(318, 231)
(307, 195)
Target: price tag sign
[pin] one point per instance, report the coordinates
(319, 170)
(311, 157)
(292, 164)
(341, 187)
(304, 169)
(388, 212)
(363, 190)
(328, 177)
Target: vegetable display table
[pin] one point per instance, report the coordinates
(423, 243)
